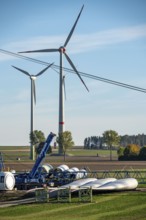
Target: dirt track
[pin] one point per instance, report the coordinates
(92, 163)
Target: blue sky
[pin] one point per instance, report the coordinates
(109, 41)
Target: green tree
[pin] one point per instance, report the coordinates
(65, 139)
(111, 138)
(40, 146)
(37, 137)
(120, 152)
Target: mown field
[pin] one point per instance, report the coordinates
(13, 152)
(116, 206)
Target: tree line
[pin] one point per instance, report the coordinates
(129, 147)
(99, 142)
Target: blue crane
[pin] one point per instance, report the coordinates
(30, 177)
(41, 155)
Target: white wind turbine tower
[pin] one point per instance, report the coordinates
(33, 99)
(62, 50)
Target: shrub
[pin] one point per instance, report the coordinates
(120, 151)
(132, 150)
(142, 153)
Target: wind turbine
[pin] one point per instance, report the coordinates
(62, 51)
(33, 99)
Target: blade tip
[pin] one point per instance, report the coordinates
(24, 52)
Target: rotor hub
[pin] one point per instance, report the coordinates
(62, 49)
(33, 77)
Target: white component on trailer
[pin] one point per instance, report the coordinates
(13, 171)
(46, 168)
(62, 168)
(72, 171)
(81, 174)
(7, 181)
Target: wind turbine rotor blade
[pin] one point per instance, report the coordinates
(34, 90)
(64, 87)
(37, 51)
(72, 30)
(74, 68)
(42, 71)
(23, 71)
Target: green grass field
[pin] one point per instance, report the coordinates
(13, 152)
(116, 206)
(91, 152)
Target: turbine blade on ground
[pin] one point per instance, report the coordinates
(42, 71)
(37, 51)
(74, 68)
(72, 30)
(23, 71)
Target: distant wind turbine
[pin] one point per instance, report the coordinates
(62, 50)
(33, 99)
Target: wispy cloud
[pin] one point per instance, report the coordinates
(84, 43)
(80, 43)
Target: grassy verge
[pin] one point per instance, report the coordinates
(125, 205)
(85, 152)
(12, 153)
